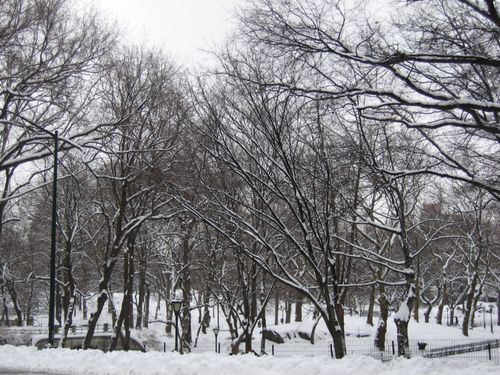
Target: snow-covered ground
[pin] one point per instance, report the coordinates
(67, 361)
(292, 357)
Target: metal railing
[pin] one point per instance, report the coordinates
(434, 349)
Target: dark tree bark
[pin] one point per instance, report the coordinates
(382, 323)
(442, 303)
(69, 297)
(11, 288)
(146, 310)
(298, 307)
(141, 288)
(371, 305)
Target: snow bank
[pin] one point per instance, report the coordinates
(96, 362)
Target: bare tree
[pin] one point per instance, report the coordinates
(434, 70)
(132, 164)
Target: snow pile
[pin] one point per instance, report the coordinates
(123, 363)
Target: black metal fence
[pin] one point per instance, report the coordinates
(435, 349)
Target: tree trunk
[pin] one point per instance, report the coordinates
(417, 304)
(59, 304)
(475, 300)
(68, 320)
(11, 288)
(19, 313)
(146, 308)
(313, 330)
(371, 305)
(69, 297)
(336, 328)
(169, 313)
(117, 331)
(128, 278)
(186, 229)
(28, 304)
(276, 308)
(382, 322)
(253, 293)
(112, 309)
(427, 312)
(84, 309)
(468, 306)
(141, 291)
(442, 303)
(498, 308)
(101, 300)
(158, 306)
(402, 338)
(248, 340)
(288, 311)
(402, 319)
(5, 312)
(205, 323)
(298, 308)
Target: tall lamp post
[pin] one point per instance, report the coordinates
(216, 333)
(52, 294)
(176, 304)
(491, 318)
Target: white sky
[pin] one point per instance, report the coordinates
(182, 28)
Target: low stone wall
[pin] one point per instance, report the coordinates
(99, 341)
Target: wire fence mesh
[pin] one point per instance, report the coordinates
(433, 349)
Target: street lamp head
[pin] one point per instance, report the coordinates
(176, 304)
(216, 331)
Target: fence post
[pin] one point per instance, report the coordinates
(218, 348)
(331, 350)
(164, 347)
(489, 352)
(272, 350)
(393, 348)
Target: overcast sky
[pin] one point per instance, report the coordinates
(180, 27)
